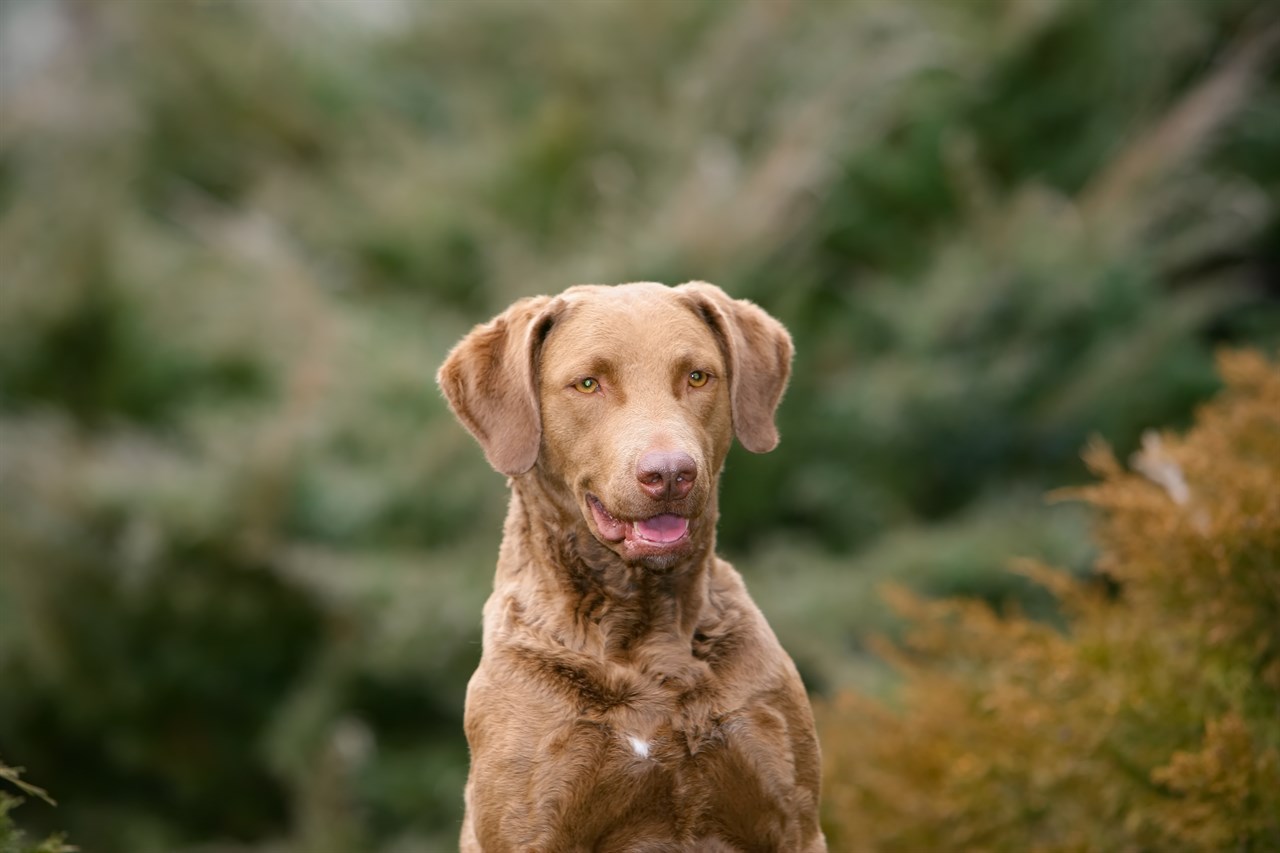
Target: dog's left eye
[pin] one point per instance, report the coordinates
(697, 378)
(587, 386)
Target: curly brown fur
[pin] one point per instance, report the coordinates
(630, 695)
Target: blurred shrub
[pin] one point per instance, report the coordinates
(13, 840)
(1149, 723)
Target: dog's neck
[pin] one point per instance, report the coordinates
(606, 605)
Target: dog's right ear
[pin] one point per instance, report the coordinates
(491, 382)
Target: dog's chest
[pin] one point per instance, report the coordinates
(668, 771)
(672, 748)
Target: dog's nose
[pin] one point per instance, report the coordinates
(666, 475)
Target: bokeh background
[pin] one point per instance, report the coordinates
(244, 546)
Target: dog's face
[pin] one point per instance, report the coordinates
(636, 417)
(626, 399)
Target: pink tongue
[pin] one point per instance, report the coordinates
(662, 528)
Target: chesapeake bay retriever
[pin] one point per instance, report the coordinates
(630, 695)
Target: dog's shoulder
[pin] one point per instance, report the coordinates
(734, 632)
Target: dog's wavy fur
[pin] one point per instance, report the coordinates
(630, 697)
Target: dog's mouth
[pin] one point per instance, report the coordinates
(643, 536)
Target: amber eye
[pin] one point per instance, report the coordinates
(587, 386)
(697, 378)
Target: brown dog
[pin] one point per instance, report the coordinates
(630, 696)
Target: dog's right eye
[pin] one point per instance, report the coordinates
(587, 386)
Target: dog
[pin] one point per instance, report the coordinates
(630, 695)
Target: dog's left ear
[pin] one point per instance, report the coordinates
(491, 382)
(759, 352)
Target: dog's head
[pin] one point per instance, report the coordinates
(626, 398)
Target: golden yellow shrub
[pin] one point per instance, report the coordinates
(1151, 723)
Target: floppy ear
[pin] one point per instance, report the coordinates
(759, 352)
(490, 380)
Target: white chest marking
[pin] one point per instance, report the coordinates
(638, 746)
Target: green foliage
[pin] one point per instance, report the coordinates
(12, 839)
(243, 545)
(1149, 723)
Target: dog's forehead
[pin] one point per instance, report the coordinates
(609, 302)
(638, 316)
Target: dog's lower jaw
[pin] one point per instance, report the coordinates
(569, 510)
(608, 597)
(661, 563)
(691, 554)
